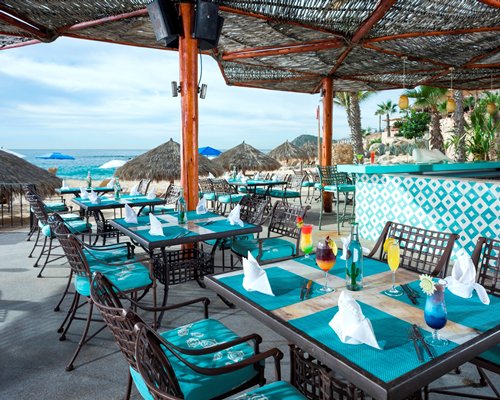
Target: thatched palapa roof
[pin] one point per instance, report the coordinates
(292, 45)
(288, 152)
(163, 163)
(15, 171)
(246, 157)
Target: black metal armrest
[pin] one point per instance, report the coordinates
(114, 246)
(204, 300)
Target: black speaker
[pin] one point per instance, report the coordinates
(208, 25)
(165, 19)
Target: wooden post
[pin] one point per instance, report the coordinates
(326, 156)
(188, 67)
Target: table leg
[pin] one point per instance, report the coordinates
(166, 284)
(156, 324)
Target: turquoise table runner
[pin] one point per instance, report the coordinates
(222, 225)
(170, 232)
(285, 285)
(398, 356)
(468, 312)
(370, 266)
(141, 222)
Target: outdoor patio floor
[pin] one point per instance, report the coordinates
(33, 360)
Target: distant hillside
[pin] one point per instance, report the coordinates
(301, 140)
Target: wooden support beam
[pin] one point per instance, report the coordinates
(375, 16)
(326, 147)
(188, 63)
(289, 48)
(34, 31)
(492, 3)
(21, 44)
(408, 56)
(89, 24)
(475, 59)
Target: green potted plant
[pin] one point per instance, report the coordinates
(481, 129)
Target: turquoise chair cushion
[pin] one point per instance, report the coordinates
(242, 189)
(274, 391)
(198, 335)
(107, 255)
(158, 210)
(76, 226)
(271, 248)
(233, 198)
(124, 277)
(285, 194)
(317, 185)
(209, 196)
(307, 184)
(55, 207)
(341, 188)
(70, 217)
(226, 242)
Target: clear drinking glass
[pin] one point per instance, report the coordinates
(435, 315)
(393, 259)
(306, 241)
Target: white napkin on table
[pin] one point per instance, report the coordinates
(244, 179)
(239, 176)
(234, 216)
(111, 184)
(93, 197)
(201, 208)
(210, 176)
(351, 326)
(156, 228)
(255, 278)
(63, 185)
(133, 191)
(130, 215)
(462, 281)
(256, 176)
(429, 156)
(151, 194)
(83, 194)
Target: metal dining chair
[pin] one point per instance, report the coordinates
(422, 250)
(159, 362)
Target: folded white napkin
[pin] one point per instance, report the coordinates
(84, 195)
(93, 197)
(255, 278)
(351, 326)
(234, 216)
(201, 208)
(63, 185)
(256, 176)
(244, 179)
(111, 183)
(210, 176)
(133, 191)
(275, 178)
(156, 228)
(130, 215)
(151, 193)
(462, 281)
(239, 176)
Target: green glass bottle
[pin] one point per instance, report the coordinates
(117, 188)
(89, 180)
(181, 209)
(354, 263)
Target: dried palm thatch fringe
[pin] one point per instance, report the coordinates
(288, 152)
(163, 163)
(15, 171)
(246, 157)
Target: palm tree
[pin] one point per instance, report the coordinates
(350, 101)
(386, 109)
(429, 98)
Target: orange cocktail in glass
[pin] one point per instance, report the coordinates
(326, 255)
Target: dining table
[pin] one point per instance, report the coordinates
(252, 186)
(392, 372)
(199, 228)
(76, 190)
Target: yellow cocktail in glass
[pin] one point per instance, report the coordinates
(393, 259)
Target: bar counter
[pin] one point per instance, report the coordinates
(463, 198)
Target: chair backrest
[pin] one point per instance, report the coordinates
(486, 257)
(220, 186)
(294, 181)
(36, 203)
(153, 365)
(252, 209)
(120, 321)
(143, 186)
(422, 250)
(329, 176)
(284, 219)
(71, 246)
(205, 185)
(172, 194)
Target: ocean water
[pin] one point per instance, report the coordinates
(85, 160)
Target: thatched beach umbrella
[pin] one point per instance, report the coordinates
(288, 152)
(163, 163)
(246, 157)
(15, 171)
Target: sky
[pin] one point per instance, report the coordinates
(77, 94)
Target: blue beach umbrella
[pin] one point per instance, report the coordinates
(56, 156)
(209, 151)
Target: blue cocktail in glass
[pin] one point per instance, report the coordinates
(435, 314)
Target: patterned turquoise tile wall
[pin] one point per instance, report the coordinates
(469, 208)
